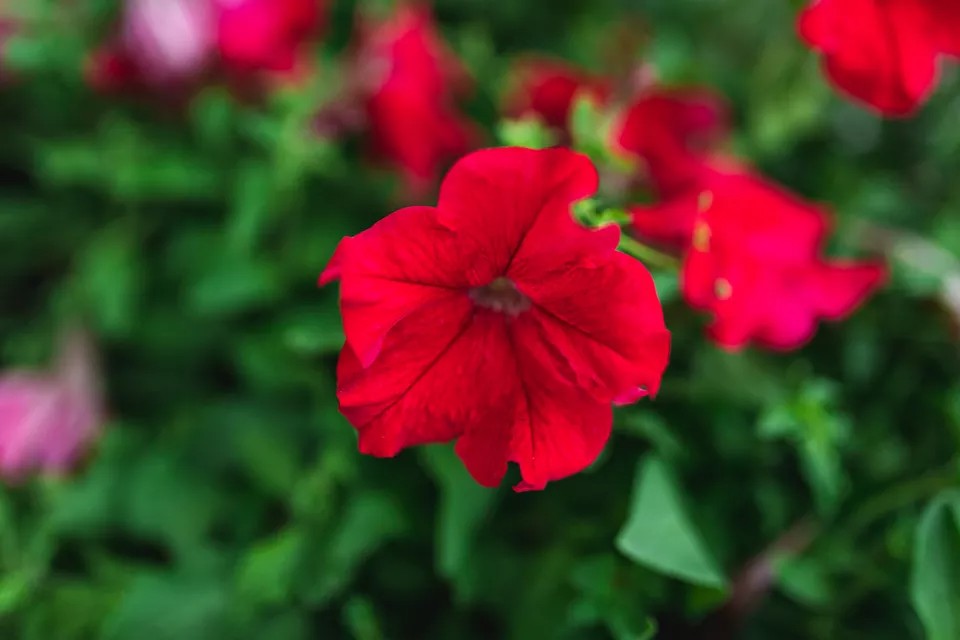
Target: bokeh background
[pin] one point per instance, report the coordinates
(810, 495)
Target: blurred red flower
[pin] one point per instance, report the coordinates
(547, 88)
(47, 420)
(409, 81)
(883, 53)
(673, 131)
(754, 264)
(669, 223)
(494, 319)
(266, 35)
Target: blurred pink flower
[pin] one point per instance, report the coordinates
(162, 43)
(169, 39)
(47, 419)
(174, 44)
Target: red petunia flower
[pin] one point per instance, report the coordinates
(673, 131)
(547, 88)
(753, 263)
(265, 35)
(410, 84)
(947, 19)
(495, 320)
(670, 223)
(883, 53)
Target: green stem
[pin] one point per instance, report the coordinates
(899, 497)
(649, 255)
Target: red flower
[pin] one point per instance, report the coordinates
(673, 131)
(547, 88)
(670, 222)
(265, 35)
(883, 52)
(753, 264)
(495, 320)
(411, 81)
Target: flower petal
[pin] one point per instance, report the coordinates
(29, 409)
(601, 326)
(554, 430)
(402, 263)
(672, 131)
(842, 286)
(493, 199)
(881, 52)
(439, 373)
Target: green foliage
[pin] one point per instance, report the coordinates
(226, 498)
(660, 535)
(935, 583)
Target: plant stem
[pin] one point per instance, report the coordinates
(899, 497)
(647, 254)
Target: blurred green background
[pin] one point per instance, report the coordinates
(226, 498)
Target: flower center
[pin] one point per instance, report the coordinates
(501, 295)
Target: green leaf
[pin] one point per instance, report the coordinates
(69, 610)
(658, 533)
(162, 607)
(586, 122)
(267, 571)
(369, 521)
(464, 505)
(110, 278)
(251, 207)
(234, 285)
(819, 431)
(314, 330)
(935, 582)
(360, 617)
(14, 590)
(527, 132)
(804, 580)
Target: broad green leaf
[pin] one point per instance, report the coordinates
(659, 534)
(935, 582)
(464, 505)
(166, 607)
(267, 571)
(804, 580)
(314, 330)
